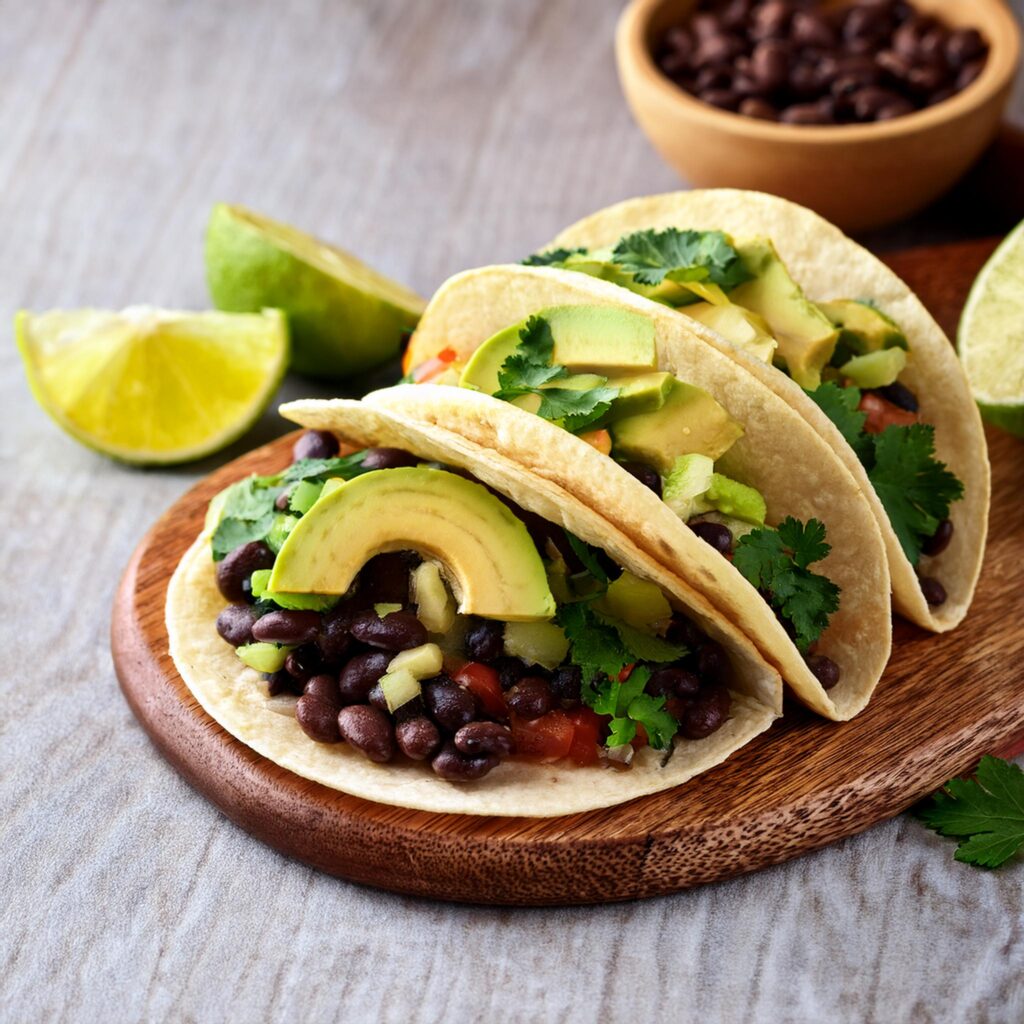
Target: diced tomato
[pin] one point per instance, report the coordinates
(599, 439)
(640, 739)
(547, 738)
(434, 366)
(587, 726)
(627, 672)
(483, 681)
(882, 414)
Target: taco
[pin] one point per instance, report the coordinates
(419, 622)
(830, 329)
(705, 462)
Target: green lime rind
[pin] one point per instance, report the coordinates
(990, 338)
(42, 368)
(344, 316)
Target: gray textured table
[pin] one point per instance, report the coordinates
(427, 137)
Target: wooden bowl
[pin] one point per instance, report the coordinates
(858, 176)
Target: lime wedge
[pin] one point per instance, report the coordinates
(991, 335)
(151, 386)
(343, 315)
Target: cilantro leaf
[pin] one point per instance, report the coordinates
(913, 486)
(776, 562)
(594, 646)
(659, 724)
(550, 258)
(987, 812)
(530, 368)
(587, 555)
(840, 406)
(643, 646)
(318, 470)
(652, 256)
(620, 732)
(247, 514)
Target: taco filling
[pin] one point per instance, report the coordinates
(847, 354)
(405, 609)
(592, 370)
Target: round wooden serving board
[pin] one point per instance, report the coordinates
(944, 701)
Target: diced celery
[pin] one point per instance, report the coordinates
(383, 608)
(435, 607)
(304, 496)
(263, 657)
(636, 602)
(876, 369)
(422, 662)
(399, 688)
(292, 602)
(537, 643)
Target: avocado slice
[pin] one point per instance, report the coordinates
(744, 328)
(875, 369)
(689, 421)
(486, 553)
(736, 500)
(805, 334)
(862, 327)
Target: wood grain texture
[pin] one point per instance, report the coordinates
(427, 136)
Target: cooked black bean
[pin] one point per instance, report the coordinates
(963, 45)
(377, 699)
(715, 534)
(282, 682)
(673, 682)
(385, 578)
(809, 28)
(450, 705)
(771, 20)
(769, 63)
(936, 543)
(727, 99)
(456, 767)
(867, 102)
(287, 627)
(485, 640)
(682, 631)
(530, 698)
(826, 671)
(761, 109)
(417, 738)
(712, 662)
(484, 738)
(900, 395)
(934, 592)
(819, 112)
(968, 73)
(566, 683)
(396, 631)
(234, 570)
(360, 675)
(389, 458)
(706, 714)
(335, 638)
(647, 475)
(368, 730)
(235, 622)
(510, 671)
(304, 662)
(315, 444)
(317, 709)
(282, 501)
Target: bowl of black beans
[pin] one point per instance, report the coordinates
(865, 110)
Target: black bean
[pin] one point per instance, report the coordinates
(761, 109)
(360, 675)
(673, 682)
(941, 95)
(900, 395)
(304, 662)
(317, 709)
(819, 112)
(368, 730)
(968, 73)
(809, 28)
(282, 501)
(934, 592)
(287, 627)
(389, 458)
(396, 631)
(896, 64)
(706, 714)
(679, 40)
(234, 570)
(315, 444)
(924, 80)
(963, 45)
(726, 99)
(282, 682)
(706, 26)
(825, 670)
(235, 622)
(868, 101)
(939, 540)
(485, 640)
(682, 631)
(456, 767)
(898, 108)
(712, 662)
(385, 578)
(530, 698)
(335, 638)
(715, 534)
(647, 475)
(450, 705)
(484, 738)
(377, 699)
(510, 671)
(719, 76)
(417, 738)
(770, 20)
(566, 683)
(717, 50)
(863, 22)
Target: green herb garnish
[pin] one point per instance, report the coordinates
(552, 257)
(680, 256)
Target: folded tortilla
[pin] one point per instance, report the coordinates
(828, 265)
(780, 454)
(234, 696)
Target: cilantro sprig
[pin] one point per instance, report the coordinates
(552, 257)
(985, 813)
(682, 256)
(915, 488)
(530, 370)
(776, 562)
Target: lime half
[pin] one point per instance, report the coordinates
(152, 386)
(344, 316)
(991, 336)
